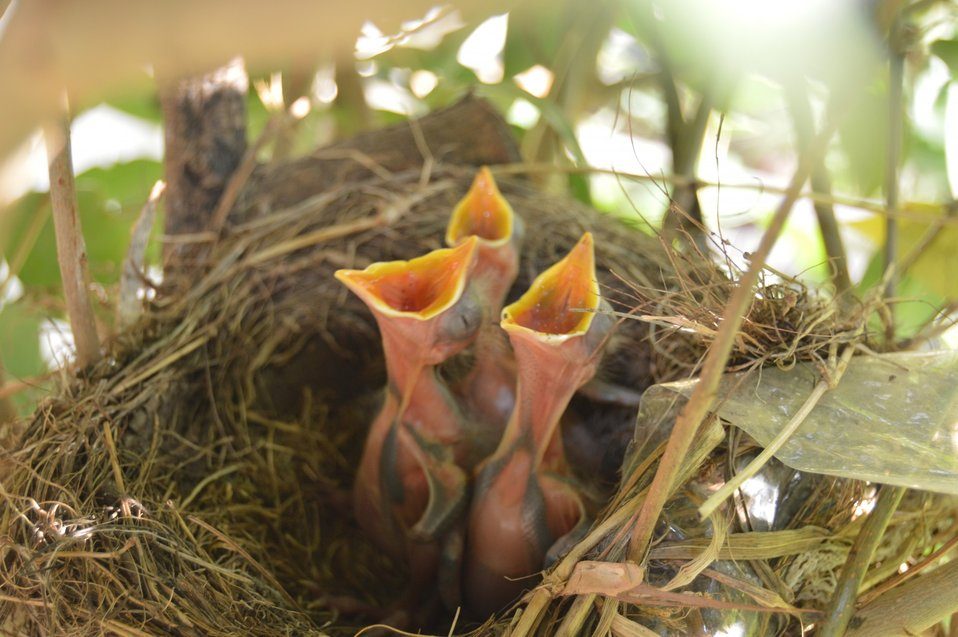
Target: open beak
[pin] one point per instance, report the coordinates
(556, 328)
(412, 300)
(425, 314)
(485, 214)
(561, 302)
(523, 504)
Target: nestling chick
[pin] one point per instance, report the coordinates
(488, 389)
(409, 485)
(524, 502)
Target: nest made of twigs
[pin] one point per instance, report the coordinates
(193, 482)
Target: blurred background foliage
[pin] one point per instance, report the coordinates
(620, 103)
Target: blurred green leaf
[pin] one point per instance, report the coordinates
(863, 137)
(532, 40)
(143, 104)
(109, 200)
(256, 114)
(19, 340)
(933, 277)
(951, 138)
(947, 51)
(920, 295)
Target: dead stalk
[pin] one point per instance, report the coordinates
(129, 307)
(71, 250)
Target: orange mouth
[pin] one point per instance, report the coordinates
(561, 302)
(420, 288)
(483, 213)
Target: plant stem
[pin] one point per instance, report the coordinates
(685, 139)
(71, 251)
(128, 306)
(204, 120)
(689, 420)
(829, 198)
(783, 436)
(896, 72)
(842, 605)
(821, 183)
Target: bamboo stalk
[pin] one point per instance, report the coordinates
(71, 250)
(842, 605)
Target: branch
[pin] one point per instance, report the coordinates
(773, 447)
(896, 73)
(689, 420)
(205, 131)
(832, 199)
(685, 139)
(71, 251)
(796, 93)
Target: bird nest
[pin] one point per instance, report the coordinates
(195, 481)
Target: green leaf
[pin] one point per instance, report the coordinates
(19, 340)
(951, 138)
(109, 202)
(947, 51)
(919, 296)
(890, 419)
(863, 138)
(144, 104)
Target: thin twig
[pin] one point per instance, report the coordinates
(688, 421)
(833, 199)
(128, 306)
(71, 251)
(15, 387)
(783, 436)
(821, 183)
(842, 605)
(243, 172)
(896, 74)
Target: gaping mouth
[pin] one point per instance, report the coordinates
(483, 213)
(562, 300)
(420, 288)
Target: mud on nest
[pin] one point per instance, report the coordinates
(193, 482)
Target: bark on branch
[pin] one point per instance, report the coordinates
(205, 131)
(71, 250)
